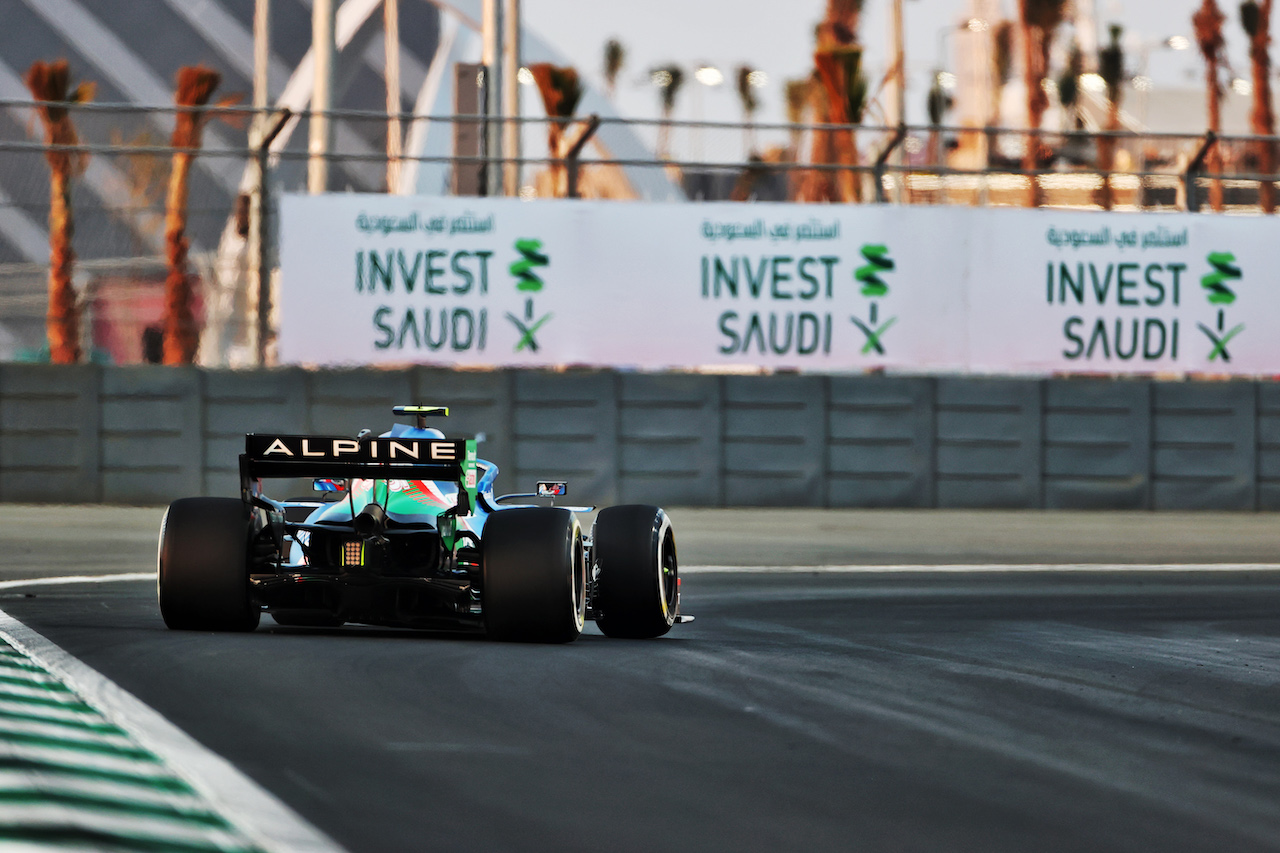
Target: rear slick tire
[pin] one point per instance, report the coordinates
(203, 566)
(637, 584)
(535, 575)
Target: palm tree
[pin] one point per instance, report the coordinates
(1111, 70)
(195, 85)
(799, 97)
(840, 76)
(837, 62)
(839, 26)
(1208, 21)
(1069, 89)
(668, 79)
(1039, 21)
(614, 57)
(50, 85)
(1002, 44)
(1001, 67)
(750, 103)
(939, 101)
(1256, 20)
(561, 91)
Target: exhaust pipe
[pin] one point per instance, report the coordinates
(370, 521)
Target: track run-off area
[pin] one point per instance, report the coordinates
(855, 680)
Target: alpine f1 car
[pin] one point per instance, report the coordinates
(406, 532)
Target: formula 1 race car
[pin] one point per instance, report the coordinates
(406, 532)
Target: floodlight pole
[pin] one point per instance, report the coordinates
(900, 64)
(323, 48)
(256, 239)
(261, 61)
(511, 97)
(391, 37)
(900, 79)
(491, 57)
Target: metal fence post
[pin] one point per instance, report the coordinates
(259, 234)
(900, 134)
(1193, 171)
(571, 157)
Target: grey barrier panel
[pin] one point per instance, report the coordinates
(236, 403)
(774, 435)
(565, 427)
(1097, 444)
(1204, 445)
(479, 407)
(1269, 445)
(669, 439)
(343, 402)
(152, 434)
(50, 417)
(989, 443)
(880, 442)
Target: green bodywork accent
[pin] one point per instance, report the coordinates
(412, 504)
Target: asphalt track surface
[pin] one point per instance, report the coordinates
(968, 709)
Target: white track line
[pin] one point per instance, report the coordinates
(987, 568)
(73, 579)
(262, 817)
(954, 568)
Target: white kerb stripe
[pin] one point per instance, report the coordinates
(261, 816)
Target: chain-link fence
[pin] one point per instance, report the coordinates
(123, 166)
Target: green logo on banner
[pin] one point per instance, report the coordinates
(525, 271)
(1225, 272)
(878, 261)
(874, 287)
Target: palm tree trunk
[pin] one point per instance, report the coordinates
(664, 136)
(50, 86)
(1213, 161)
(181, 337)
(556, 150)
(63, 321)
(1107, 157)
(181, 332)
(1037, 102)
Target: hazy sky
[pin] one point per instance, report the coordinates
(777, 37)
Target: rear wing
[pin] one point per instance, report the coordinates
(402, 458)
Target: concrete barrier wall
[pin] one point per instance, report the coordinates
(151, 434)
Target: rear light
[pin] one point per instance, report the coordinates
(353, 553)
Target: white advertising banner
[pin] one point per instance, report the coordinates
(376, 279)
(1123, 293)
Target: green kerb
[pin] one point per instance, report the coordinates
(126, 807)
(55, 686)
(12, 662)
(80, 725)
(97, 839)
(45, 702)
(171, 784)
(96, 747)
